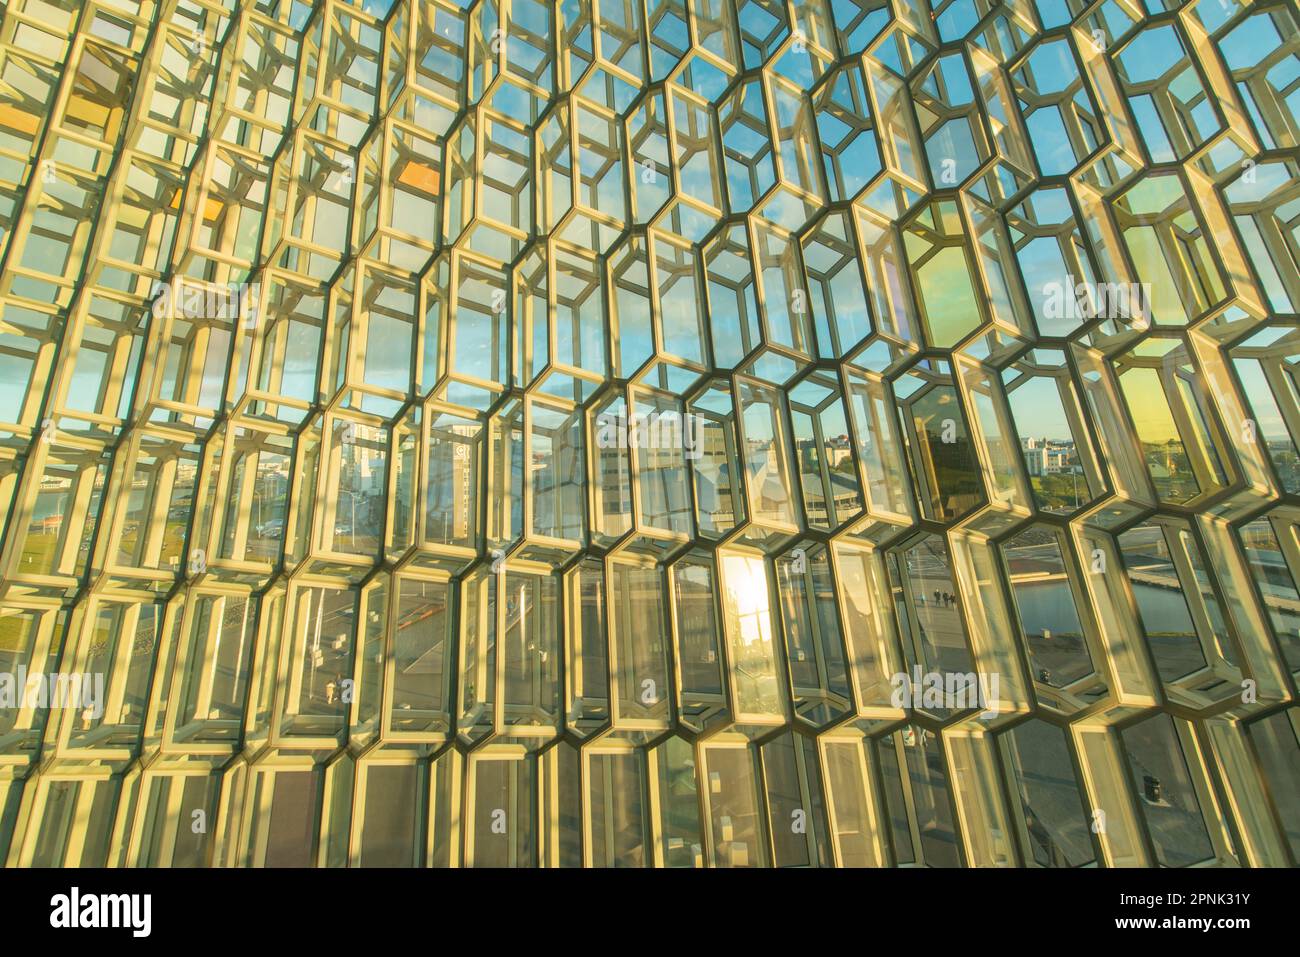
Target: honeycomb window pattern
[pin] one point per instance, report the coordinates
(622, 432)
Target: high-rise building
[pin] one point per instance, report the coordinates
(964, 532)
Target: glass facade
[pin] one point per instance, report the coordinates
(691, 433)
